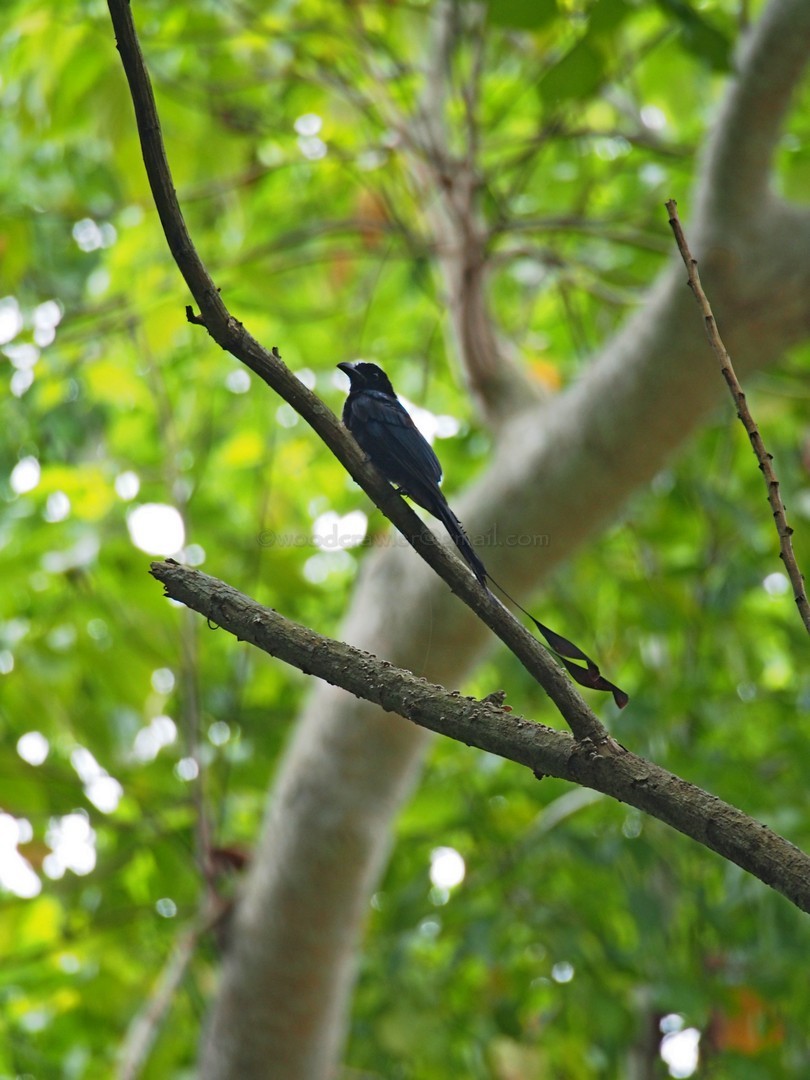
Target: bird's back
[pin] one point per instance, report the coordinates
(384, 430)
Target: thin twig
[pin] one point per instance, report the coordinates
(232, 336)
(471, 87)
(765, 459)
(608, 768)
(144, 1029)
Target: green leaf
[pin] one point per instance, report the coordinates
(700, 36)
(580, 72)
(583, 69)
(521, 14)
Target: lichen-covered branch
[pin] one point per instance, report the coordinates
(608, 767)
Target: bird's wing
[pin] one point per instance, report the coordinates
(394, 442)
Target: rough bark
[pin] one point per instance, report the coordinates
(607, 767)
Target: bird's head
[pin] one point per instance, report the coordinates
(365, 376)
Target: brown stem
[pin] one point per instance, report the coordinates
(765, 459)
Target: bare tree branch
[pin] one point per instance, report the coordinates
(608, 768)
(231, 335)
(146, 1025)
(765, 459)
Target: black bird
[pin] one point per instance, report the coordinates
(392, 442)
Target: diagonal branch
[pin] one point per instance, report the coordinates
(608, 768)
(232, 336)
(145, 1026)
(784, 531)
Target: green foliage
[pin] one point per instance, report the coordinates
(579, 923)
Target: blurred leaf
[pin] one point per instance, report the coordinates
(700, 36)
(584, 67)
(521, 14)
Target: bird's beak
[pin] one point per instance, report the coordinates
(350, 369)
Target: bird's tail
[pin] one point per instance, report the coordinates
(570, 655)
(460, 539)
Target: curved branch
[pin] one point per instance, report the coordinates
(571, 465)
(608, 768)
(232, 336)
